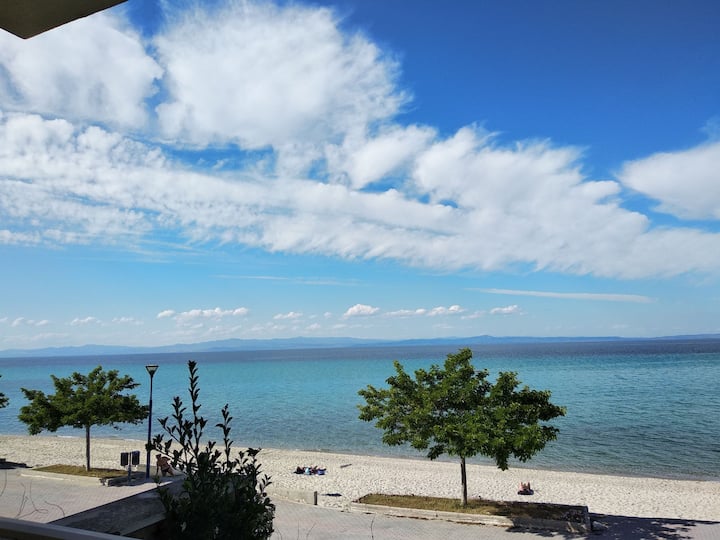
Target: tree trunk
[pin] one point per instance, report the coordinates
(463, 479)
(87, 448)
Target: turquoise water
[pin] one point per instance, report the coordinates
(639, 408)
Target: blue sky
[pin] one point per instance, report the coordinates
(188, 171)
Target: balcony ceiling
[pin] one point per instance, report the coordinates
(27, 18)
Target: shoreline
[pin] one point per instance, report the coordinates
(349, 476)
(532, 466)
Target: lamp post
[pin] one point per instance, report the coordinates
(151, 369)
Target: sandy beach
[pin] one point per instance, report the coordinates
(351, 476)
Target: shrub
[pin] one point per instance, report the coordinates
(221, 497)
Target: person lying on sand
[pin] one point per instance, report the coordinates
(310, 470)
(525, 489)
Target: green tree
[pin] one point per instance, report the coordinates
(222, 498)
(3, 399)
(83, 401)
(455, 410)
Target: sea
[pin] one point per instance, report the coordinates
(641, 408)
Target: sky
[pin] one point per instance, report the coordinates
(179, 171)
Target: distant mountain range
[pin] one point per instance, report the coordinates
(317, 343)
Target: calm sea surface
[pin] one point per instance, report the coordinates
(637, 408)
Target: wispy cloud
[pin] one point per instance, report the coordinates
(22, 321)
(404, 313)
(310, 115)
(360, 310)
(77, 321)
(291, 315)
(658, 176)
(633, 298)
(425, 312)
(195, 317)
(128, 320)
(507, 310)
(441, 310)
(188, 317)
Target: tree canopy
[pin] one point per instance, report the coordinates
(83, 401)
(456, 410)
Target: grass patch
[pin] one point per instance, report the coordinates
(79, 470)
(509, 509)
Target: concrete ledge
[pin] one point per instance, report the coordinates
(295, 495)
(16, 529)
(137, 516)
(479, 519)
(136, 478)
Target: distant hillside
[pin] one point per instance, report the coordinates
(319, 343)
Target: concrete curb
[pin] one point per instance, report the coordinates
(137, 478)
(479, 519)
(85, 480)
(294, 495)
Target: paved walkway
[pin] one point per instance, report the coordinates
(44, 499)
(295, 521)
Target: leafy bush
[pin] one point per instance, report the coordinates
(221, 497)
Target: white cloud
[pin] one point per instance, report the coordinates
(287, 316)
(188, 317)
(287, 80)
(370, 160)
(84, 321)
(129, 320)
(441, 310)
(522, 206)
(604, 297)
(258, 75)
(166, 314)
(424, 312)
(507, 310)
(403, 313)
(95, 69)
(22, 321)
(360, 310)
(686, 183)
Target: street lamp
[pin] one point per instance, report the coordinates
(151, 369)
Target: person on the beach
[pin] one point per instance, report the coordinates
(525, 489)
(163, 465)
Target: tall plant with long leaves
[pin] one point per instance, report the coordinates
(222, 497)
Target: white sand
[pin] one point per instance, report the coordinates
(352, 476)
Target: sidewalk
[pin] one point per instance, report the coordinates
(296, 520)
(44, 499)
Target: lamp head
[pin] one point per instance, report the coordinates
(151, 369)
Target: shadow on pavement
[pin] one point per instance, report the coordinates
(657, 528)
